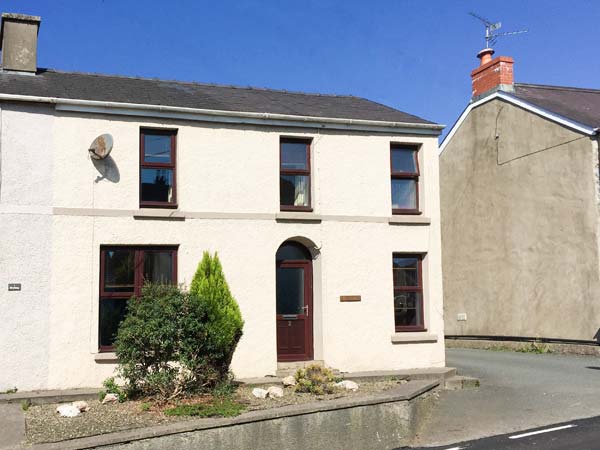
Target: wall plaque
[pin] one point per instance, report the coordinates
(349, 298)
(14, 286)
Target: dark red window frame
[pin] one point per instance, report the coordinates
(156, 165)
(406, 176)
(306, 172)
(417, 289)
(138, 282)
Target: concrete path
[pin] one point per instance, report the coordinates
(518, 391)
(12, 426)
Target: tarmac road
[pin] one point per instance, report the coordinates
(519, 391)
(575, 435)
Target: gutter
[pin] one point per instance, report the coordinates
(212, 115)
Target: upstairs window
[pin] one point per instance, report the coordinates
(405, 179)
(123, 271)
(408, 292)
(294, 175)
(157, 168)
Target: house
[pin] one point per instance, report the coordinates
(324, 211)
(520, 200)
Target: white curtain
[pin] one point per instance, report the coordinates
(301, 191)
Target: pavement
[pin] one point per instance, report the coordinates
(12, 426)
(518, 391)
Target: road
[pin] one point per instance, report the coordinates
(575, 435)
(519, 391)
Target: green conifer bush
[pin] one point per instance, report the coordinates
(224, 327)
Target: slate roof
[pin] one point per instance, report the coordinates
(85, 86)
(577, 104)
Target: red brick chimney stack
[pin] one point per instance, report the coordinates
(491, 74)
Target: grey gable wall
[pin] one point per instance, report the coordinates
(519, 238)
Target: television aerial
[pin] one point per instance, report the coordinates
(101, 146)
(491, 36)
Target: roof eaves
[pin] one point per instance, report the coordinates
(583, 128)
(148, 110)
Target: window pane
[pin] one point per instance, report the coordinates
(293, 156)
(292, 251)
(158, 266)
(406, 272)
(293, 190)
(157, 148)
(404, 160)
(290, 290)
(119, 270)
(404, 194)
(157, 185)
(407, 309)
(112, 312)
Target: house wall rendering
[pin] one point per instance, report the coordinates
(520, 222)
(58, 207)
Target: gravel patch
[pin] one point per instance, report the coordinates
(44, 424)
(294, 398)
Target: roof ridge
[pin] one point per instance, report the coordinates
(197, 83)
(562, 88)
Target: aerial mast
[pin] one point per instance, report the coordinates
(491, 36)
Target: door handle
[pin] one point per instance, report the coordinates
(305, 308)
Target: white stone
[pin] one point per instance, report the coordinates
(275, 392)
(110, 398)
(347, 384)
(81, 406)
(259, 393)
(68, 411)
(289, 381)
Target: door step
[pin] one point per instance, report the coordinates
(285, 369)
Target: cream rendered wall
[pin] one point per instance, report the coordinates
(233, 171)
(25, 244)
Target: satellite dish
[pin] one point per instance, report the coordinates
(101, 146)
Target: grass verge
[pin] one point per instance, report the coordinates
(221, 407)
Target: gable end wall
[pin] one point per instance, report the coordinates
(519, 227)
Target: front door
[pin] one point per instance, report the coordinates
(294, 310)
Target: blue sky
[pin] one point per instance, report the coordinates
(413, 55)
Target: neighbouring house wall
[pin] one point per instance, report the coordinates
(228, 191)
(26, 137)
(519, 227)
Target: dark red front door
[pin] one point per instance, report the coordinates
(294, 310)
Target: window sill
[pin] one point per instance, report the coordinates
(297, 217)
(413, 338)
(290, 208)
(106, 357)
(156, 213)
(408, 220)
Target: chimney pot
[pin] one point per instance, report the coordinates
(492, 74)
(485, 55)
(18, 42)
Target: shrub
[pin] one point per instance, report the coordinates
(224, 326)
(315, 379)
(147, 341)
(111, 387)
(172, 342)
